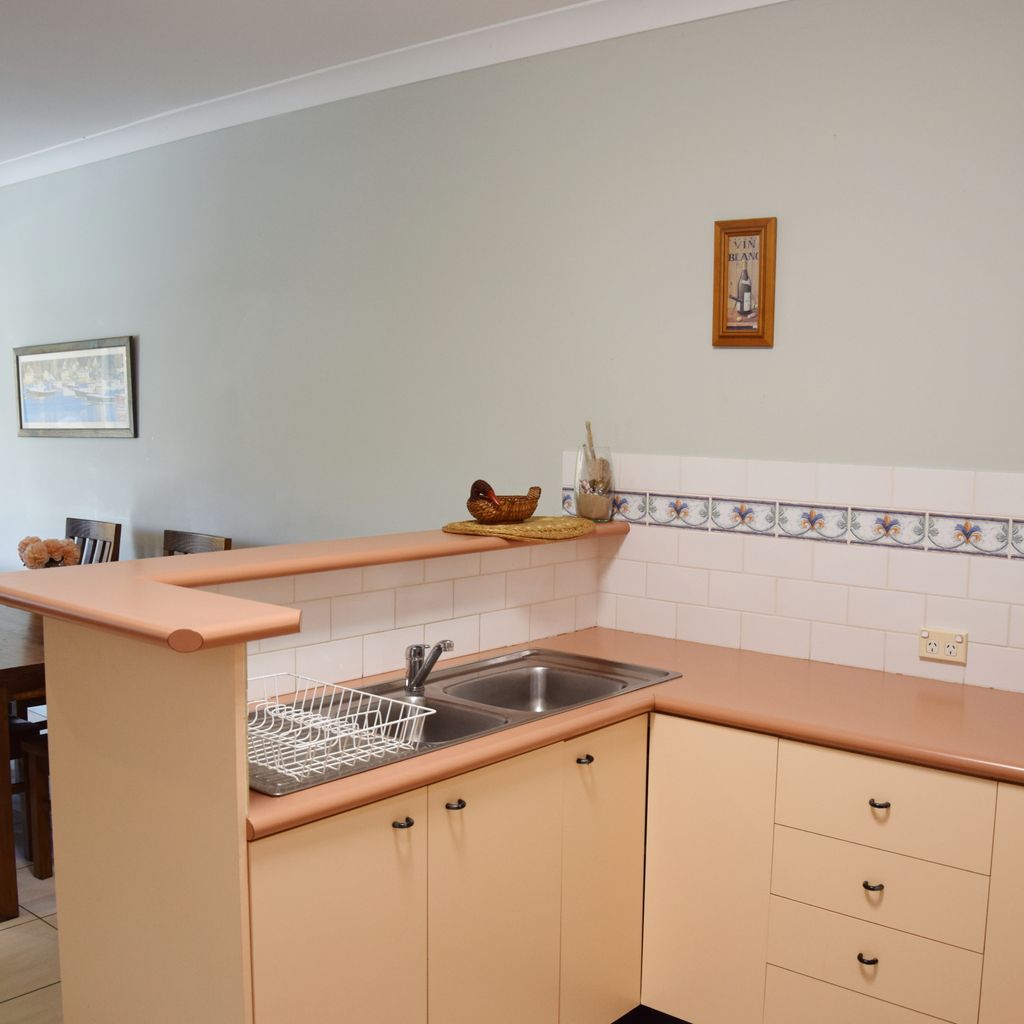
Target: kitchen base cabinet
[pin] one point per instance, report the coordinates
(1002, 989)
(604, 778)
(495, 849)
(793, 999)
(711, 802)
(339, 918)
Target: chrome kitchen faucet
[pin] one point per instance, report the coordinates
(418, 663)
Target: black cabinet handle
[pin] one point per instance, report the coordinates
(874, 888)
(408, 823)
(457, 806)
(879, 805)
(585, 759)
(867, 961)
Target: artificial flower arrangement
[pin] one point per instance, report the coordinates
(44, 554)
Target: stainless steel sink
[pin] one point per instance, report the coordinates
(484, 697)
(536, 688)
(452, 722)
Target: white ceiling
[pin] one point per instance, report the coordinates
(82, 80)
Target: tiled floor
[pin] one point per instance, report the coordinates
(29, 965)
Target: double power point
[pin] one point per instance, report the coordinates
(938, 645)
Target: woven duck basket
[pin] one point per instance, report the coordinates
(514, 508)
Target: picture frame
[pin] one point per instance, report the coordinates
(76, 389)
(744, 288)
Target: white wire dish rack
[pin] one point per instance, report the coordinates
(303, 731)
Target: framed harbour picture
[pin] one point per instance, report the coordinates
(76, 389)
(744, 292)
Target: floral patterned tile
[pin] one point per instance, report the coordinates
(568, 501)
(1017, 540)
(962, 533)
(825, 522)
(629, 505)
(892, 529)
(743, 516)
(678, 510)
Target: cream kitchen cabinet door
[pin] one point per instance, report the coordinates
(604, 779)
(495, 845)
(1002, 984)
(710, 821)
(339, 917)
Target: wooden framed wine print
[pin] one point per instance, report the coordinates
(744, 314)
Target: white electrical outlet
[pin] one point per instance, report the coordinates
(941, 645)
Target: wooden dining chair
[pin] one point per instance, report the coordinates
(97, 541)
(181, 542)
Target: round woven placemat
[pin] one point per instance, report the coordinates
(537, 528)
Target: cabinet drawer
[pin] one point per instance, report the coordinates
(932, 815)
(920, 974)
(793, 999)
(932, 900)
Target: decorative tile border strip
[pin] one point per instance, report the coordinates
(988, 536)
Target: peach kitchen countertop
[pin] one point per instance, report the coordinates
(967, 729)
(152, 598)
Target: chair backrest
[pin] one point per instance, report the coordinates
(97, 541)
(180, 542)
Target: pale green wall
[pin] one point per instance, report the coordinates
(348, 313)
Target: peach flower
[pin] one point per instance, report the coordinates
(56, 549)
(71, 556)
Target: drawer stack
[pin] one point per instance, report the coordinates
(879, 891)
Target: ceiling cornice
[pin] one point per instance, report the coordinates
(588, 22)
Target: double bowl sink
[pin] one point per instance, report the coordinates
(486, 696)
(464, 702)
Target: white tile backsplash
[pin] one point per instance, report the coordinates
(854, 564)
(551, 618)
(1001, 667)
(741, 592)
(677, 583)
(999, 494)
(503, 628)
(771, 634)
(702, 550)
(794, 481)
(847, 645)
(841, 484)
(928, 573)
(642, 615)
(820, 602)
(713, 476)
(383, 652)
(851, 604)
(358, 614)
(332, 662)
(790, 559)
(315, 585)
(934, 490)
(985, 622)
(886, 609)
(530, 586)
(708, 625)
(427, 602)
(479, 594)
(395, 574)
(451, 568)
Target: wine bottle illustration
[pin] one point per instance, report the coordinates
(744, 294)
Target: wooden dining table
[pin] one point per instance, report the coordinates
(22, 676)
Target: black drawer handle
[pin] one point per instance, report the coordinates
(879, 805)
(408, 823)
(867, 961)
(457, 806)
(874, 888)
(585, 759)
